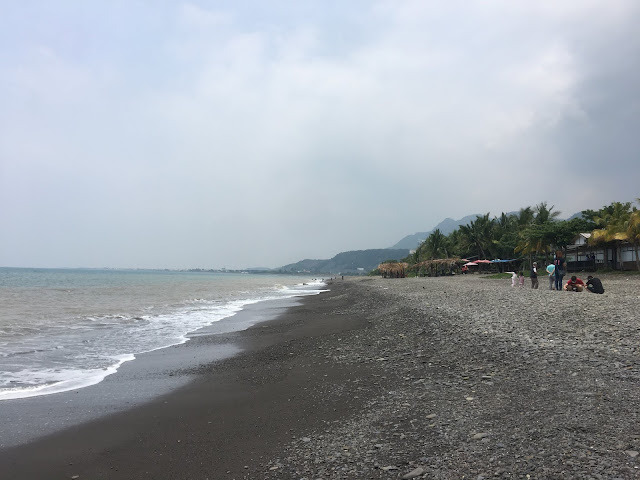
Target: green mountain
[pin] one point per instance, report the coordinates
(346, 263)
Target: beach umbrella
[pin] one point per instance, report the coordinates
(468, 264)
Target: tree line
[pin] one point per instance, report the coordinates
(533, 233)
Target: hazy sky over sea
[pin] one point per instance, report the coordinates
(258, 133)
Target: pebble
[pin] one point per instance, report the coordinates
(414, 473)
(570, 386)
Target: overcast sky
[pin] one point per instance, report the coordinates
(257, 133)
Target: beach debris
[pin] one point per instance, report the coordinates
(414, 473)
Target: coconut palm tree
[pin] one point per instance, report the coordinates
(630, 232)
(539, 238)
(506, 235)
(612, 222)
(544, 214)
(478, 235)
(436, 244)
(525, 217)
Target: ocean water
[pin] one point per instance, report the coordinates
(67, 329)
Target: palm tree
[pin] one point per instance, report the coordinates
(544, 214)
(478, 235)
(505, 224)
(630, 232)
(456, 243)
(525, 217)
(436, 244)
(613, 221)
(506, 233)
(538, 238)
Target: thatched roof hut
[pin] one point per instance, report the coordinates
(393, 269)
(437, 264)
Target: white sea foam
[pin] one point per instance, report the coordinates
(74, 341)
(46, 382)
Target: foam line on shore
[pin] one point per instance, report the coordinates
(134, 383)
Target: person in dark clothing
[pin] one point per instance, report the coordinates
(594, 285)
(560, 263)
(533, 274)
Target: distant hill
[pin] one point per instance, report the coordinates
(347, 262)
(363, 261)
(446, 226)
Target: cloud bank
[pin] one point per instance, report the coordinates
(239, 134)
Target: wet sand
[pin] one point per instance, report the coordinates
(224, 415)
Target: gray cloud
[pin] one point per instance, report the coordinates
(183, 136)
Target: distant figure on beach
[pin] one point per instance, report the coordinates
(560, 265)
(465, 269)
(594, 285)
(521, 279)
(551, 269)
(514, 278)
(534, 276)
(574, 285)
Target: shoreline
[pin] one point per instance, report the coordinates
(149, 440)
(431, 377)
(148, 376)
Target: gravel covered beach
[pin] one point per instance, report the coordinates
(439, 378)
(474, 379)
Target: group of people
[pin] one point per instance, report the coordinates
(556, 272)
(594, 285)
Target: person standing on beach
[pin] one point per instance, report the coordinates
(514, 278)
(552, 276)
(534, 276)
(521, 279)
(560, 265)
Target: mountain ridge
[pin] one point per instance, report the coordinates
(351, 262)
(363, 261)
(446, 226)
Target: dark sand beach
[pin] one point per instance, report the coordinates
(444, 378)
